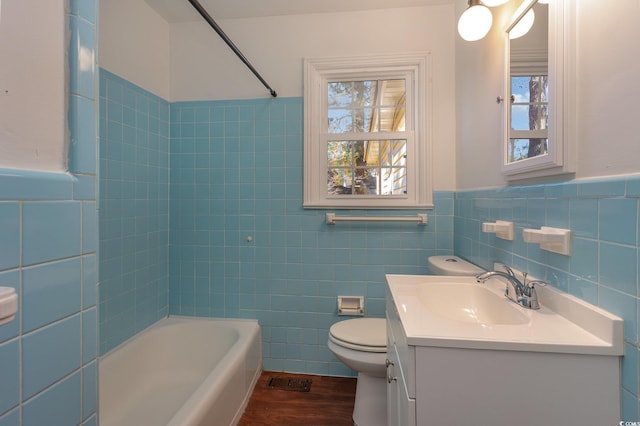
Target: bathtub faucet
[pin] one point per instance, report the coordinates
(525, 293)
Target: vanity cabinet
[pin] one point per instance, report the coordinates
(443, 381)
(401, 402)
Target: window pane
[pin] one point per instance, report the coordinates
(339, 181)
(350, 94)
(529, 102)
(340, 154)
(521, 149)
(366, 106)
(350, 120)
(366, 181)
(394, 153)
(374, 167)
(372, 153)
(394, 181)
(391, 119)
(529, 117)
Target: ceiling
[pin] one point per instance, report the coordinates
(182, 11)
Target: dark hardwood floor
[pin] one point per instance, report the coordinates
(329, 402)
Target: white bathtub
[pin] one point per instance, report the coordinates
(181, 371)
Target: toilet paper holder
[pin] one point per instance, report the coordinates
(351, 305)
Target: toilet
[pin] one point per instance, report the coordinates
(361, 344)
(451, 265)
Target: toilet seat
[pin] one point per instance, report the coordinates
(360, 334)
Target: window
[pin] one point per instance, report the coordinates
(528, 136)
(366, 144)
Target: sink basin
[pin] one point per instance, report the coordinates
(470, 303)
(458, 312)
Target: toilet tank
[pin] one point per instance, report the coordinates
(451, 265)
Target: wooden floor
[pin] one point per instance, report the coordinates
(329, 402)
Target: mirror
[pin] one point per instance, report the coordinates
(535, 128)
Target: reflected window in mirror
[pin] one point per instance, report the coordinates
(528, 136)
(529, 82)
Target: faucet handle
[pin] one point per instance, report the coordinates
(533, 283)
(506, 268)
(533, 297)
(533, 294)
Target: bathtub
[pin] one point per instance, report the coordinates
(181, 371)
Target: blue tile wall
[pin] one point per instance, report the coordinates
(10, 231)
(10, 385)
(45, 359)
(134, 209)
(59, 222)
(242, 246)
(47, 253)
(603, 269)
(45, 409)
(49, 292)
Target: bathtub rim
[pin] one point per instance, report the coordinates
(161, 322)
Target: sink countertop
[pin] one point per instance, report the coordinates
(563, 324)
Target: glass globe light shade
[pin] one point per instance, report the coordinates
(494, 3)
(475, 22)
(523, 26)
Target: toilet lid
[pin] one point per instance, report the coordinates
(364, 333)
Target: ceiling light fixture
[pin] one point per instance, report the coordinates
(475, 22)
(494, 3)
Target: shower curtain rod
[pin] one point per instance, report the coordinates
(201, 10)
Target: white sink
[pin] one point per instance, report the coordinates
(468, 302)
(450, 311)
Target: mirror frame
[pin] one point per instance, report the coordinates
(559, 159)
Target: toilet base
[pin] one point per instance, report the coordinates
(370, 408)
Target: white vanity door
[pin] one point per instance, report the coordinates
(469, 387)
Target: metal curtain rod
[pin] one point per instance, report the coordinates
(201, 10)
(420, 218)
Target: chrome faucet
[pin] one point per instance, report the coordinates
(525, 293)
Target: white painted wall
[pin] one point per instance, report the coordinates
(134, 44)
(608, 87)
(607, 72)
(33, 100)
(204, 68)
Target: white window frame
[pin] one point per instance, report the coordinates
(317, 73)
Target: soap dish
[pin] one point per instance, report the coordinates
(8, 304)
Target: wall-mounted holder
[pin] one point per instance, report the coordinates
(501, 228)
(351, 305)
(551, 239)
(8, 304)
(420, 218)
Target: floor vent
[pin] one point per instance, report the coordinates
(290, 384)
